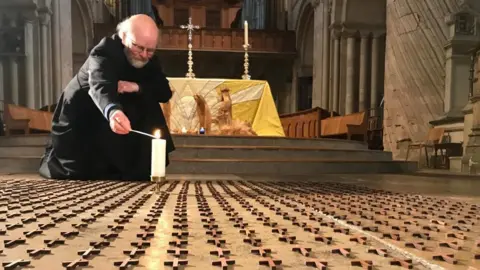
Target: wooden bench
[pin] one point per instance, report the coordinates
(346, 125)
(303, 124)
(21, 118)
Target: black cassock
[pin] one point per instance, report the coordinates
(82, 145)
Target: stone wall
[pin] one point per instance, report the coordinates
(476, 84)
(414, 68)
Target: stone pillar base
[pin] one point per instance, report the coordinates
(471, 157)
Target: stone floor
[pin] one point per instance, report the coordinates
(247, 222)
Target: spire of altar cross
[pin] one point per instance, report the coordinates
(190, 27)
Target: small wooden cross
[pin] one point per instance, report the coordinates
(11, 243)
(317, 264)
(38, 252)
(220, 252)
(88, 252)
(303, 250)
(75, 264)
(177, 252)
(134, 252)
(261, 251)
(15, 264)
(178, 243)
(175, 263)
(270, 262)
(223, 262)
(125, 263)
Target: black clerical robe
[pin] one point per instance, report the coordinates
(82, 145)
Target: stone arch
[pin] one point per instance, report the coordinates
(87, 19)
(82, 31)
(304, 28)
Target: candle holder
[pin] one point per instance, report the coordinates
(157, 180)
(245, 75)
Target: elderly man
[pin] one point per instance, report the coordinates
(118, 88)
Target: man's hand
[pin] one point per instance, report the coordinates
(119, 123)
(127, 87)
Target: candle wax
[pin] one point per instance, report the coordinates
(159, 147)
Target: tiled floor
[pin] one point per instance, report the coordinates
(248, 222)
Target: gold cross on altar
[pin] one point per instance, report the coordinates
(190, 27)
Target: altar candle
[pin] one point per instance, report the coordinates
(159, 146)
(245, 29)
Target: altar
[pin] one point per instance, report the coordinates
(204, 103)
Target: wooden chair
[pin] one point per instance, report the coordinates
(433, 137)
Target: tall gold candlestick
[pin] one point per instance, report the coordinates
(245, 75)
(190, 27)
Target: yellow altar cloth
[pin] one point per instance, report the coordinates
(252, 102)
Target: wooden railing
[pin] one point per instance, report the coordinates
(226, 40)
(17, 118)
(303, 124)
(172, 38)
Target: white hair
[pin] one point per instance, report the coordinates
(123, 27)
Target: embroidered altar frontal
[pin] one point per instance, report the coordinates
(252, 102)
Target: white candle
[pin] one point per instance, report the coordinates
(159, 149)
(245, 29)
(184, 130)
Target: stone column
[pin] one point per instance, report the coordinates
(13, 66)
(57, 64)
(3, 95)
(457, 62)
(318, 44)
(29, 18)
(44, 56)
(66, 52)
(336, 71)
(350, 74)
(294, 90)
(326, 56)
(374, 91)
(363, 104)
(14, 89)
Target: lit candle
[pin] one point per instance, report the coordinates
(245, 29)
(159, 146)
(184, 130)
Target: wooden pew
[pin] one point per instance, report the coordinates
(21, 118)
(346, 125)
(303, 124)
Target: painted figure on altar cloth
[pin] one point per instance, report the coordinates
(224, 115)
(118, 88)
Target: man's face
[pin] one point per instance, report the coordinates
(139, 50)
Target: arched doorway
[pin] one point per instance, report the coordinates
(82, 32)
(304, 29)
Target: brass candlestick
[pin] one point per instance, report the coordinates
(245, 75)
(190, 27)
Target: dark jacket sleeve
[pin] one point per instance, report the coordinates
(103, 82)
(156, 84)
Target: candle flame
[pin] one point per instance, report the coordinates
(157, 134)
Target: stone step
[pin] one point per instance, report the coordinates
(312, 167)
(247, 166)
(181, 140)
(245, 152)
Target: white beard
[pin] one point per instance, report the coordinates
(134, 62)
